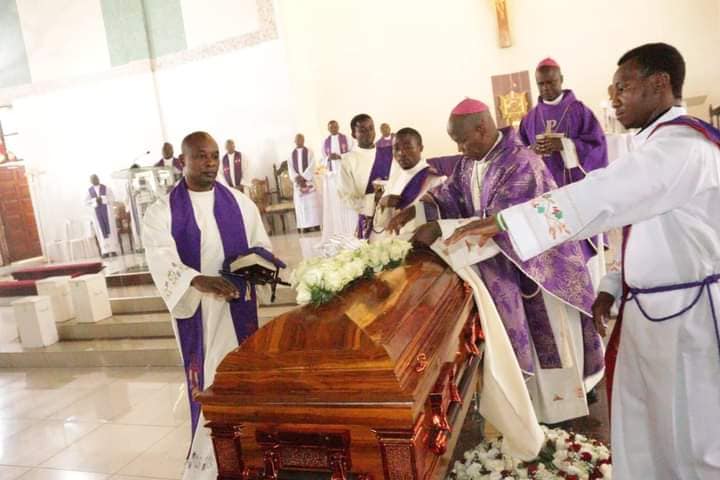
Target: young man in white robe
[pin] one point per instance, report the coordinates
(363, 173)
(410, 178)
(666, 387)
(99, 199)
(189, 236)
(301, 168)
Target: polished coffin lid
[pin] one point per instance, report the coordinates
(377, 348)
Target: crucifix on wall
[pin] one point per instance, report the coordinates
(503, 23)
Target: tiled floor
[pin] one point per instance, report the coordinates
(102, 423)
(93, 424)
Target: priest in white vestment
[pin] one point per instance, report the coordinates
(337, 218)
(363, 173)
(189, 236)
(100, 199)
(665, 193)
(410, 178)
(306, 198)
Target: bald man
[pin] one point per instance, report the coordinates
(169, 160)
(189, 236)
(301, 167)
(544, 302)
(386, 136)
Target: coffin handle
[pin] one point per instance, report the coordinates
(421, 363)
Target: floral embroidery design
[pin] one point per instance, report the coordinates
(546, 206)
(172, 278)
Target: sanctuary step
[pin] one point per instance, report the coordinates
(140, 325)
(123, 340)
(134, 352)
(153, 303)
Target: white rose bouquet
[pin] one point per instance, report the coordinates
(318, 280)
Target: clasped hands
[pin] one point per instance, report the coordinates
(548, 145)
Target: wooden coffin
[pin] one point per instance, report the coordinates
(374, 384)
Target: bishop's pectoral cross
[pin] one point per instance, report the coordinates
(503, 24)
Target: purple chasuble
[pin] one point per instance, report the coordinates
(237, 166)
(327, 147)
(515, 175)
(187, 236)
(101, 211)
(445, 165)
(303, 162)
(411, 191)
(379, 171)
(578, 123)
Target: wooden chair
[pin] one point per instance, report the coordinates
(284, 195)
(261, 195)
(715, 116)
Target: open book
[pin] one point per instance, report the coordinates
(257, 267)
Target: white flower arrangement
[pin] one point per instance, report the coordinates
(565, 455)
(318, 280)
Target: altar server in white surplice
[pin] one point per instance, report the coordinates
(410, 178)
(301, 167)
(363, 170)
(337, 218)
(189, 236)
(665, 194)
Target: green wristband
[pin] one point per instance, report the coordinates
(500, 223)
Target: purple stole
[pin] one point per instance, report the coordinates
(176, 163)
(187, 236)
(708, 131)
(101, 211)
(413, 187)
(515, 175)
(304, 160)
(342, 140)
(379, 171)
(385, 142)
(237, 165)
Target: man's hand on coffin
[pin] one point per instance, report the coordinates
(426, 234)
(334, 156)
(390, 201)
(483, 230)
(601, 311)
(400, 219)
(217, 286)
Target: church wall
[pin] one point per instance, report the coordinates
(92, 104)
(96, 83)
(409, 61)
